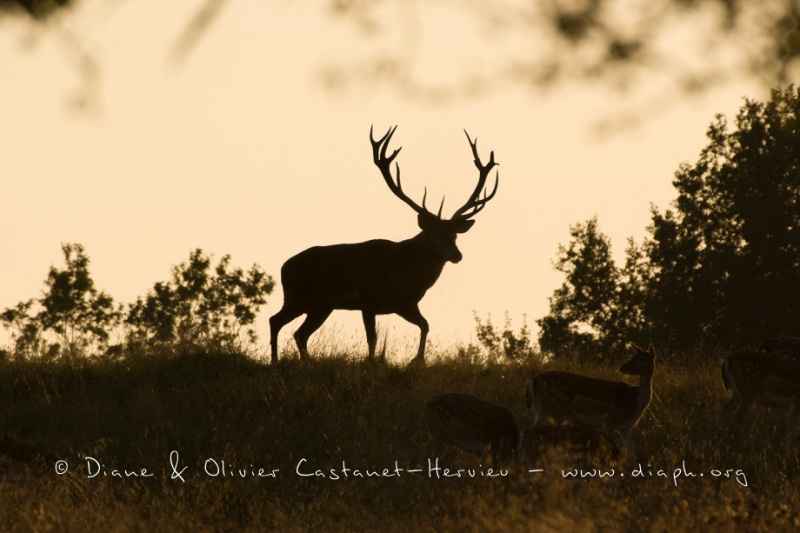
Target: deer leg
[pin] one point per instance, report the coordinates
(741, 416)
(733, 403)
(313, 321)
(415, 317)
(628, 442)
(791, 420)
(372, 335)
(276, 323)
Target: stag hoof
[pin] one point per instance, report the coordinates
(417, 362)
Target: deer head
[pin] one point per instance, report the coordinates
(439, 231)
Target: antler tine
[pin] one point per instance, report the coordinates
(424, 196)
(475, 203)
(384, 163)
(478, 204)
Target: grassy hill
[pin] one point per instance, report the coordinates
(142, 420)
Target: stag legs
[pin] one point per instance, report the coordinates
(315, 318)
(313, 321)
(415, 317)
(372, 334)
(276, 323)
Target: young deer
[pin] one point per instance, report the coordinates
(377, 277)
(470, 423)
(771, 379)
(598, 404)
(783, 345)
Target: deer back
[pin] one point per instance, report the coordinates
(582, 400)
(377, 275)
(769, 377)
(472, 423)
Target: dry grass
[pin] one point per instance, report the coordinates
(131, 414)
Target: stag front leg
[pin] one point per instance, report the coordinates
(372, 334)
(313, 321)
(415, 317)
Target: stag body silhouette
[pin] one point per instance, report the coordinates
(379, 276)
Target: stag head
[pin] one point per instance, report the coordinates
(441, 232)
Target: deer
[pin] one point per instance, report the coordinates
(783, 345)
(379, 276)
(596, 404)
(471, 424)
(770, 379)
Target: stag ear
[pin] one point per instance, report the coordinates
(461, 226)
(428, 221)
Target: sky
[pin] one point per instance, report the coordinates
(240, 149)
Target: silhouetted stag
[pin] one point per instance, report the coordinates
(379, 276)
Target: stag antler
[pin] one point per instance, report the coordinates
(384, 163)
(475, 203)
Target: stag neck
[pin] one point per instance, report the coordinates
(423, 246)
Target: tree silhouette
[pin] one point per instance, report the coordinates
(199, 308)
(721, 267)
(690, 44)
(726, 259)
(71, 307)
(580, 308)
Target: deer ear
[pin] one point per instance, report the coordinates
(427, 221)
(461, 226)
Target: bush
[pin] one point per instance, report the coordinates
(199, 308)
(71, 309)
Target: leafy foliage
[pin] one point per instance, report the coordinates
(617, 42)
(200, 307)
(39, 10)
(71, 308)
(197, 309)
(721, 267)
(580, 308)
(505, 344)
(726, 260)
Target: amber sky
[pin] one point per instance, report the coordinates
(241, 150)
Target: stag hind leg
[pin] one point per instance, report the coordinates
(276, 323)
(313, 321)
